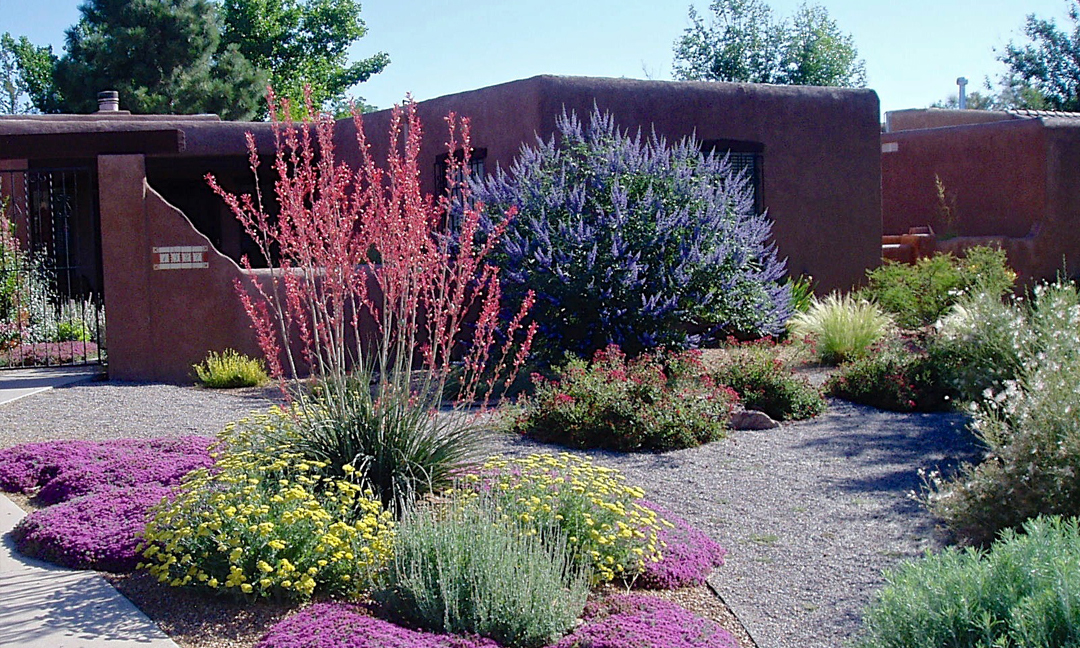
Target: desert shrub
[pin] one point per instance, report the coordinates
(97, 531)
(919, 294)
(644, 404)
(469, 570)
(841, 328)
(1024, 591)
(638, 621)
(1031, 430)
(341, 625)
(759, 376)
(265, 523)
(56, 471)
(631, 241)
(605, 525)
(688, 557)
(980, 342)
(903, 379)
(230, 369)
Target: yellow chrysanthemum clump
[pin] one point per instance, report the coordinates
(602, 518)
(263, 522)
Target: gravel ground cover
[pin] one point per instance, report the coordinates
(810, 512)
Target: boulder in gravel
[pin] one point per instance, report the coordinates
(751, 420)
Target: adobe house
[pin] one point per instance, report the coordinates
(167, 247)
(975, 177)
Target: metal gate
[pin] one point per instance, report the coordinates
(52, 312)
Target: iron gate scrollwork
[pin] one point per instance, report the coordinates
(51, 303)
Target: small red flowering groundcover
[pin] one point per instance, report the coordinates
(639, 621)
(340, 625)
(96, 531)
(688, 557)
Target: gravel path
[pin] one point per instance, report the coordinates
(810, 512)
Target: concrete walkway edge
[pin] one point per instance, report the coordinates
(48, 606)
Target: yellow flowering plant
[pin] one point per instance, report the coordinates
(605, 524)
(266, 523)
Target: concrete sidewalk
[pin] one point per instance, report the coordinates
(20, 383)
(44, 606)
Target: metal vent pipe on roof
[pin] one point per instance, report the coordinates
(108, 101)
(962, 103)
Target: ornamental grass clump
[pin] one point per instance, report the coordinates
(469, 570)
(840, 327)
(372, 285)
(606, 527)
(265, 523)
(229, 369)
(1023, 591)
(649, 403)
(633, 241)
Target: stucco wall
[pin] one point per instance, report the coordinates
(994, 174)
(161, 322)
(821, 149)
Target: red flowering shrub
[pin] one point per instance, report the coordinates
(908, 380)
(649, 403)
(757, 373)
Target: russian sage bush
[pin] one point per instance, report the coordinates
(631, 241)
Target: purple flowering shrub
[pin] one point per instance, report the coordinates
(96, 531)
(67, 469)
(639, 621)
(688, 557)
(339, 625)
(631, 241)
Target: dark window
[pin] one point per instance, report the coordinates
(476, 167)
(745, 157)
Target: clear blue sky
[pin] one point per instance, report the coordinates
(914, 49)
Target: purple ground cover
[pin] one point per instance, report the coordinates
(64, 470)
(96, 531)
(688, 558)
(639, 621)
(339, 625)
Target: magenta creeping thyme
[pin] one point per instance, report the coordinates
(639, 621)
(689, 555)
(339, 625)
(96, 531)
(67, 469)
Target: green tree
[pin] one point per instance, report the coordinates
(742, 42)
(1044, 73)
(163, 56)
(26, 82)
(301, 43)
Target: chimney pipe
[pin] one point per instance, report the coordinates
(962, 82)
(108, 101)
